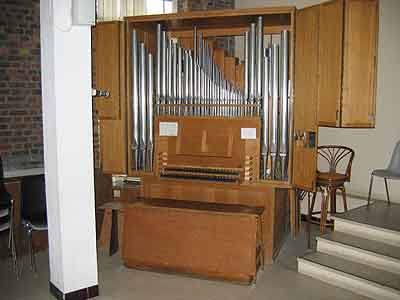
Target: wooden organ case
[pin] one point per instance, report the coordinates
(198, 125)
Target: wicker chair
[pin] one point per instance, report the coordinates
(331, 180)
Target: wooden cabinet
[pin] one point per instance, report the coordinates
(330, 57)
(109, 52)
(360, 57)
(346, 76)
(107, 70)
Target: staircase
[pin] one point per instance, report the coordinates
(362, 254)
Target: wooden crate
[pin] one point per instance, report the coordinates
(206, 239)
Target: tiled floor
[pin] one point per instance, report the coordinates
(278, 281)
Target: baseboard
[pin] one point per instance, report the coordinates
(82, 294)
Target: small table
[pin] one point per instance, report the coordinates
(111, 232)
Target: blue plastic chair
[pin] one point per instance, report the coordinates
(391, 172)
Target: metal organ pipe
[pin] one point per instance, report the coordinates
(169, 75)
(246, 65)
(163, 70)
(135, 101)
(179, 85)
(284, 111)
(194, 74)
(158, 77)
(201, 73)
(190, 80)
(142, 106)
(275, 110)
(265, 122)
(186, 76)
(260, 61)
(174, 76)
(150, 113)
(195, 43)
(252, 62)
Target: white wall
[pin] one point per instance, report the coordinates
(373, 146)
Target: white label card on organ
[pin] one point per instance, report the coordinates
(168, 129)
(248, 133)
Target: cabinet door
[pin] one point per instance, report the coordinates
(359, 81)
(330, 62)
(107, 68)
(305, 98)
(110, 68)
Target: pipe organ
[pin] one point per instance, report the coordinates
(196, 123)
(189, 83)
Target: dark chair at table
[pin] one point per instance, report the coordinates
(330, 180)
(7, 218)
(33, 210)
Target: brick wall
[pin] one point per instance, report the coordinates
(188, 5)
(20, 88)
(21, 134)
(227, 43)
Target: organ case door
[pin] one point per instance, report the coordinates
(109, 71)
(330, 58)
(305, 98)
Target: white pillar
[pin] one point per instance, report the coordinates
(68, 151)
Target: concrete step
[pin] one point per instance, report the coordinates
(358, 278)
(367, 231)
(376, 254)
